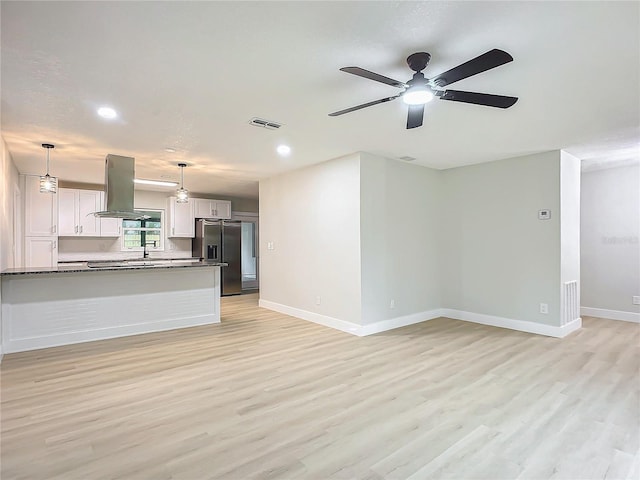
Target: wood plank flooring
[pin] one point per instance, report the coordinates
(267, 396)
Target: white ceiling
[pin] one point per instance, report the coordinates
(190, 75)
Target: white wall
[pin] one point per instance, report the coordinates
(497, 258)
(399, 220)
(569, 236)
(9, 185)
(610, 228)
(312, 217)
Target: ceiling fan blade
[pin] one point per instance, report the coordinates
(364, 105)
(487, 99)
(486, 61)
(361, 72)
(414, 118)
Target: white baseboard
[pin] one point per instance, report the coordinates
(350, 327)
(610, 314)
(331, 322)
(512, 324)
(34, 343)
(398, 322)
(382, 326)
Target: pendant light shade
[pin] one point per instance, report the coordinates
(182, 194)
(48, 184)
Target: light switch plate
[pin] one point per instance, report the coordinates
(544, 214)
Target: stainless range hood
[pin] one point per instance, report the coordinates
(119, 174)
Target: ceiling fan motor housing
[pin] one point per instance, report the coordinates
(418, 61)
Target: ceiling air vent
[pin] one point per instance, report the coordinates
(261, 122)
(407, 158)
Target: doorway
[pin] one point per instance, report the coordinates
(249, 250)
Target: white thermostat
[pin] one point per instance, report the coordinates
(544, 214)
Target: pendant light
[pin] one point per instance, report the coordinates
(48, 184)
(182, 194)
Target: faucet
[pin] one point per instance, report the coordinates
(146, 252)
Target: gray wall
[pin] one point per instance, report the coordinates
(312, 218)
(369, 230)
(399, 221)
(497, 257)
(610, 228)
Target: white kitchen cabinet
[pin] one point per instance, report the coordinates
(206, 208)
(109, 227)
(76, 208)
(41, 252)
(180, 218)
(41, 210)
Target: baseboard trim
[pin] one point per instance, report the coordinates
(350, 327)
(384, 325)
(342, 325)
(35, 343)
(512, 324)
(398, 322)
(610, 314)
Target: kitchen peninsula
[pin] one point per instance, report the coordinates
(46, 307)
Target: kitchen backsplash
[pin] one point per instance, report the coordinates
(85, 249)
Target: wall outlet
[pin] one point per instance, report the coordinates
(269, 245)
(392, 304)
(636, 300)
(544, 308)
(318, 300)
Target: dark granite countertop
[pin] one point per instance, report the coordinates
(113, 265)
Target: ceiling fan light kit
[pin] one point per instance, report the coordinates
(420, 90)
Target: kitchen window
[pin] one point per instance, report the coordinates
(149, 231)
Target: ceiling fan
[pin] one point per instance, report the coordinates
(420, 90)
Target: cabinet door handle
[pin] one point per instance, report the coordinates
(80, 228)
(54, 228)
(54, 245)
(173, 231)
(76, 229)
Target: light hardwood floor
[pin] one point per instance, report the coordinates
(263, 395)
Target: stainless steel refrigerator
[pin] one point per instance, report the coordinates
(221, 241)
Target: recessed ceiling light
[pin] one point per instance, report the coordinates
(283, 150)
(155, 182)
(107, 112)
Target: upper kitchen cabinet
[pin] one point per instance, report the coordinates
(181, 218)
(206, 208)
(76, 209)
(41, 210)
(109, 227)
